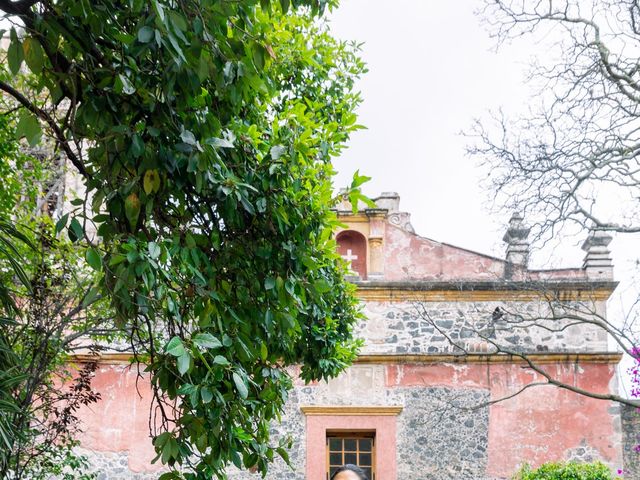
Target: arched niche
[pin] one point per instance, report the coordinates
(352, 246)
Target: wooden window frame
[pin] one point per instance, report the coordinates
(356, 434)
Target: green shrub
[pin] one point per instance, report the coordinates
(566, 471)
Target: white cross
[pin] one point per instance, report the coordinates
(349, 256)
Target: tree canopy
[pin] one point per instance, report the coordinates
(204, 132)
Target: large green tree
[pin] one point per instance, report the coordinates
(204, 131)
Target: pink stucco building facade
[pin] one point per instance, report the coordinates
(446, 337)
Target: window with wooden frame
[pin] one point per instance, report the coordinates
(354, 447)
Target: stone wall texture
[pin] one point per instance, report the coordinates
(455, 327)
(631, 434)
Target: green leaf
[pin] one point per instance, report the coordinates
(206, 395)
(206, 340)
(219, 142)
(284, 4)
(259, 54)
(62, 222)
(184, 363)
(188, 137)
(240, 385)
(75, 231)
(29, 128)
(263, 351)
(90, 297)
(220, 360)
(145, 34)
(33, 54)
(269, 283)
(154, 250)
(15, 53)
(124, 85)
(175, 347)
(132, 209)
(137, 146)
(94, 259)
(358, 179)
(151, 181)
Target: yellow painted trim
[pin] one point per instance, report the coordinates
(105, 358)
(350, 410)
(360, 218)
(538, 358)
(376, 294)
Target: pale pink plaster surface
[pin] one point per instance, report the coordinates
(119, 422)
(385, 427)
(411, 257)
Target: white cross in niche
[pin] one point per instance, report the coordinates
(349, 257)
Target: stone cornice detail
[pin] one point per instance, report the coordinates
(465, 291)
(351, 410)
(535, 357)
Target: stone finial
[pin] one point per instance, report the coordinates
(597, 262)
(516, 240)
(389, 201)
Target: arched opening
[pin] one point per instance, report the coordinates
(352, 246)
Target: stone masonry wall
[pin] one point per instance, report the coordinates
(442, 327)
(631, 439)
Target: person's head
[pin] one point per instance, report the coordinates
(349, 472)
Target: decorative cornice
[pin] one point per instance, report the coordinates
(381, 291)
(535, 357)
(350, 410)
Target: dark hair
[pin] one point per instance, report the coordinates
(350, 468)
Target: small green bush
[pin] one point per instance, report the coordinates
(566, 471)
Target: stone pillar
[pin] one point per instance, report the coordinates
(517, 243)
(377, 218)
(597, 262)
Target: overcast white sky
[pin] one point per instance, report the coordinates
(431, 71)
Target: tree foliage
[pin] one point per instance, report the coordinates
(566, 471)
(204, 131)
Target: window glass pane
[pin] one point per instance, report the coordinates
(350, 444)
(335, 444)
(351, 458)
(351, 448)
(365, 445)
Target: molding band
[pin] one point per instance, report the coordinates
(536, 357)
(385, 294)
(350, 410)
